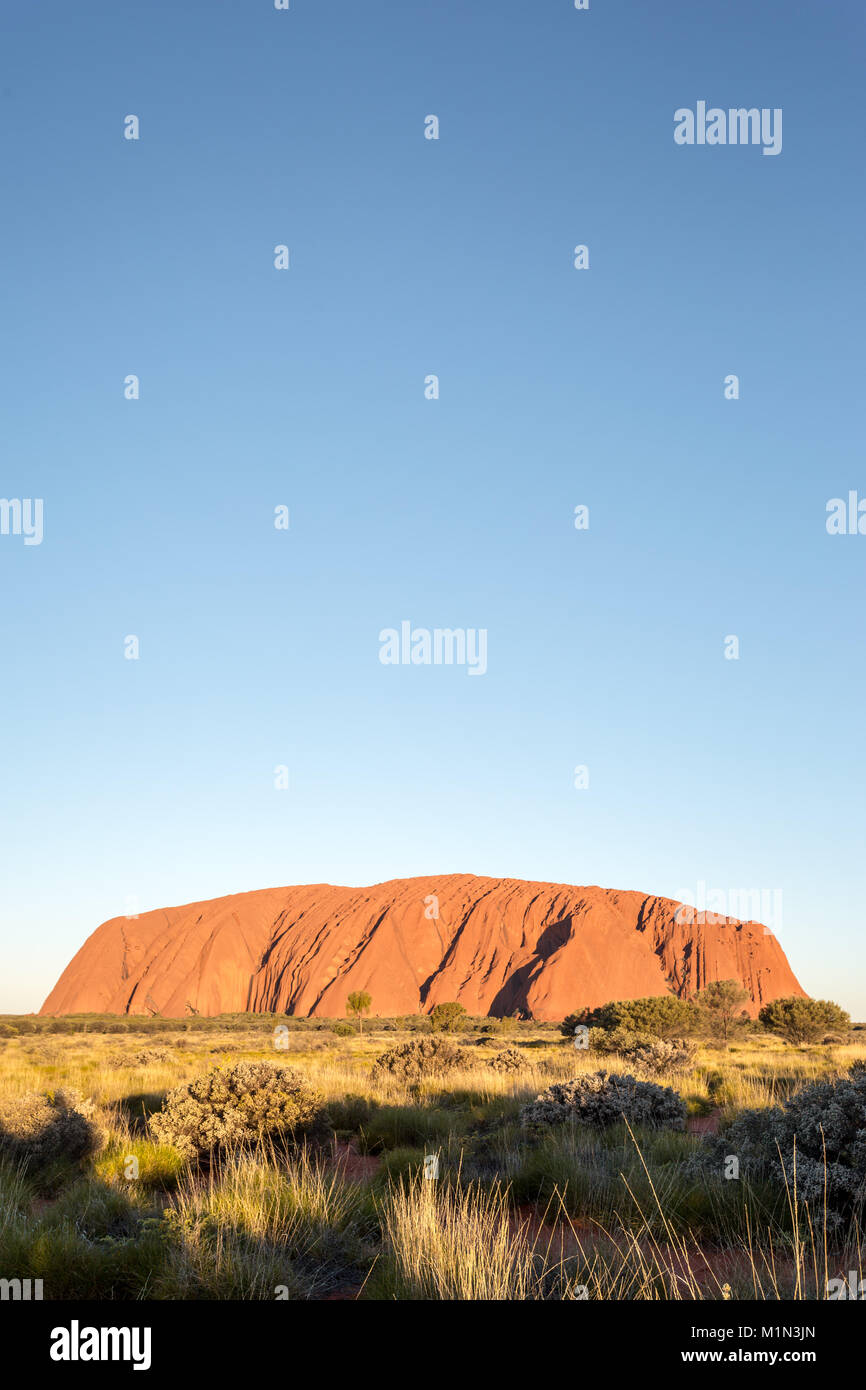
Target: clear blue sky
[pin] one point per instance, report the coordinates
(151, 782)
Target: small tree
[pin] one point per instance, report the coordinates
(803, 1020)
(447, 1018)
(358, 1003)
(721, 1005)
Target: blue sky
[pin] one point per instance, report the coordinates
(138, 784)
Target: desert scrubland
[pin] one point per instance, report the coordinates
(437, 1174)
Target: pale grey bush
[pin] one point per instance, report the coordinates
(145, 1057)
(421, 1058)
(40, 1128)
(817, 1136)
(235, 1105)
(602, 1098)
(660, 1055)
(508, 1060)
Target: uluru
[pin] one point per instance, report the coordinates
(496, 945)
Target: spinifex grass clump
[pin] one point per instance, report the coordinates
(236, 1105)
(273, 1225)
(91, 1241)
(602, 1098)
(419, 1059)
(454, 1243)
(41, 1129)
(814, 1144)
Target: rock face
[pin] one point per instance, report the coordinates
(496, 945)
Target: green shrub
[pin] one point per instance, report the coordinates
(419, 1059)
(602, 1098)
(662, 1015)
(447, 1018)
(343, 1030)
(237, 1105)
(803, 1020)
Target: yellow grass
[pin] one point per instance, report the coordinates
(249, 1226)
